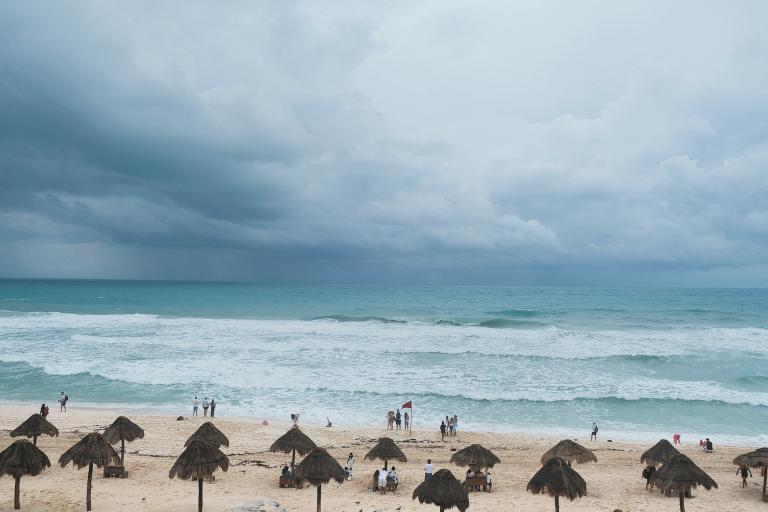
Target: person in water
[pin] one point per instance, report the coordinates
(745, 472)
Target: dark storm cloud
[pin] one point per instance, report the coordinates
(282, 140)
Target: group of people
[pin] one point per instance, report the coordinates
(395, 420)
(479, 474)
(206, 405)
(384, 478)
(449, 426)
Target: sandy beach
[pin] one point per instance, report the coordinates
(614, 482)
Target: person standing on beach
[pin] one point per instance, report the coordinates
(593, 437)
(648, 473)
(63, 399)
(442, 431)
(398, 419)
(350, 464)
(406, 420)
(428, 469)
(676, 439)
(744, 470)
(206, 405)
(195, 405)
(213, 407)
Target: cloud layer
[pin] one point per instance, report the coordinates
(300, 141)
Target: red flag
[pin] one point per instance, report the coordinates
(407, 405)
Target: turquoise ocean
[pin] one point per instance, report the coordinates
(641, 362)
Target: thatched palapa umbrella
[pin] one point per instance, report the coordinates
(557, 478)
(294, 441)
(444, 491)
(92, 449)
(319, 468)
(681, 475)
(123, 429)
(476, 457)
(660, 453)
(198, 462)
(208, 433)
(570, 452)
(34, 426)
(20, 459)
(757, 458)
(386, 450)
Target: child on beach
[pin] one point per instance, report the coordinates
(428, 468)
(744, 470)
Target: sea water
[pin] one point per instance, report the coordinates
(642, 363)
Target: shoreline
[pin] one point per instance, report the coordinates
(613, 482)
(163, 411)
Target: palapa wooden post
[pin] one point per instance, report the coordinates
(319, 492)
(88, 490)
(200, 495)
(557, 503)
(16, 493)
(682, 501)
(122, 452)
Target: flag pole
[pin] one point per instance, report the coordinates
(411, 424)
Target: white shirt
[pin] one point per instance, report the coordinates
(428, 468)
(195, 403)
(350, 462)
(382, 476)
(205, 404)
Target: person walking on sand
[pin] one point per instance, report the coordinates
(350, 464)
(593, 437)
(195, 405)
(213, 407)
(744, 470)
(206, 405)
(676, 439)
(428, 469)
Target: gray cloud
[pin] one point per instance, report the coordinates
(503, 143)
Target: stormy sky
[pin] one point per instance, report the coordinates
(431, 141)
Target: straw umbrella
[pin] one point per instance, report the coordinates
(92, 449)
(557, 478)
(208, 433)
(476, 457)
(294, 441)
(681, 475)
(660, 453)
(198, 462)
(34, 426)
(570, 452)
(123, 429)
(22, 458)
(757, 458)
(385, 450)
(319, 468)
(444, 491)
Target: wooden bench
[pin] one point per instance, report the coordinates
(473, 482)
(116, 471)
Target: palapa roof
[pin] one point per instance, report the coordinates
(557, 478)
(753, 459)
(207, 432)
(659, 453)
(681, 474)
(475, 456)
(199, 460)
(294, 439)
(319, 467)
(35, 425)
(569, 451)
(92, 448)
(386, 449)
(442, 490)
(22, 458)
(123, 429)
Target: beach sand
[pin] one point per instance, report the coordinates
(613, 483)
